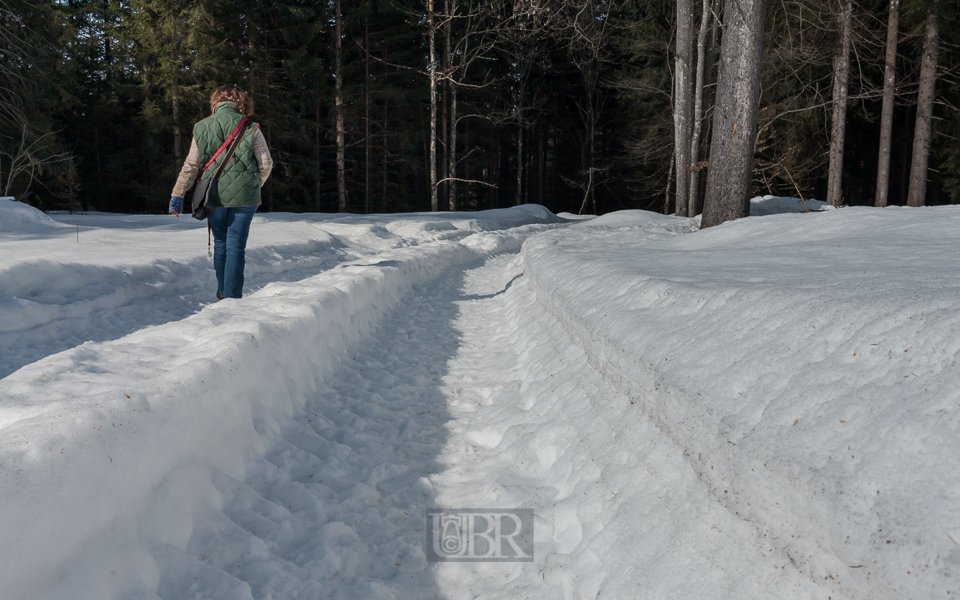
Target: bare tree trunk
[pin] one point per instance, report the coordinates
(386, 163)
(838, 131)
(708, 100)
(383, 132)
(452, 184)
(917, 193)
(666, 193)
(366, 118)
(434, 205)
(886, 115)
(518, 199)
(451, 160)
(341, 165)
(706, 21)
(466, 164)
(316, 148)
(541, 134)
(592, 148)
(683, 103)
(735, 117)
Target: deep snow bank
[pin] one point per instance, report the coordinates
(87, 434)
(62, 285)
(806, 366)
(17, 217)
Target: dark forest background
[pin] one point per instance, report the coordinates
(566, 103)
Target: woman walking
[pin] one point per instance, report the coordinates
(239, 185)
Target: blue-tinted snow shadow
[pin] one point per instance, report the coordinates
(339, 497)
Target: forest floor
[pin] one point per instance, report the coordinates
(766, 409)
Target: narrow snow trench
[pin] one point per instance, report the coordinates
(469, 396)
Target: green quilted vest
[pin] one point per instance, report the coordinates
(240, 181)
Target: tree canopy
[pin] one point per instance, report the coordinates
(567, 103)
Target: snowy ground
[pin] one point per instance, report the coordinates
(766, 409)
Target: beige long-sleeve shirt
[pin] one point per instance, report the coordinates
(191, 166)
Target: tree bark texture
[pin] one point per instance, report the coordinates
(838, 129)
(432, 33)
(886, 114)
(452, 174)
(922, 133)
(666, 193)
(386, 157)
(540, 162)
(366, 119)
(316, 147)
(733, 144)
(706, 21)
(341, 166)
(518, 199)
(683, 103)
(451, 161)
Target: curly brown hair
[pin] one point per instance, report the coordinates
(231, 93)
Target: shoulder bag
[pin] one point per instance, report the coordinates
(205, 191)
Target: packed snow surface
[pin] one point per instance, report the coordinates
(764, 409)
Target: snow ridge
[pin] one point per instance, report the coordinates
(816, 402)
(89, 432)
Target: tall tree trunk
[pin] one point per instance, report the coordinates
(445, 102)
(366, 119)
(452, 174)
(434, 205)
(886, 115)
(383, 132)
(591, 141)
(518, 198)
(466, 164)
(735, 117)
(450, 123)
(386, 158)
(838, 131)
(338, 66)
(683, 103)
(666, 193)
(541, 134)
(708, 100)
(922, 133)
(316, 149)
(706, 22)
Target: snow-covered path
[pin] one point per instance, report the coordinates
(335, 504)
(687, 413)
(123, 277)
(468, 396)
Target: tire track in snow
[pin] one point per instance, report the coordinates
(619, 511)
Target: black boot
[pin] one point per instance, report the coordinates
(219, 296)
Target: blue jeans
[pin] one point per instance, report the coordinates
(230, 226)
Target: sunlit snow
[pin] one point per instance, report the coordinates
(765, 409)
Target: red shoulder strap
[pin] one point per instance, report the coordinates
(224, 145)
